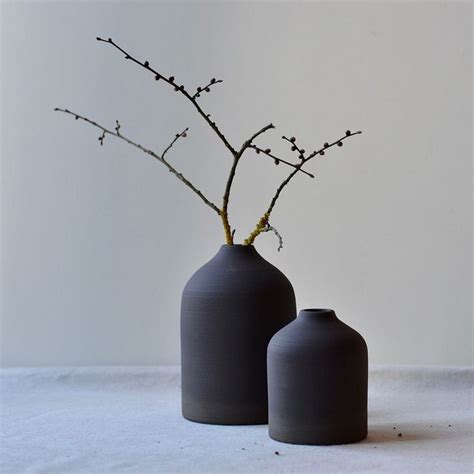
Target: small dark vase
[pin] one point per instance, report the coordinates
(317, 381)
(231, 307)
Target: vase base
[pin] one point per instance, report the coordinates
(227, 417)
(323, 441)
(240, 422)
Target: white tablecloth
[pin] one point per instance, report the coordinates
(95, 420)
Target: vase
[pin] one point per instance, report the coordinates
(317, 381)
(231, 307)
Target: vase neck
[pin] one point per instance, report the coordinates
(238, 249)
(237, 252)
(319, 314)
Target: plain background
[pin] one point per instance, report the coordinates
(98, 242)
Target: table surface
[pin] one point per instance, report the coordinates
(95, 420)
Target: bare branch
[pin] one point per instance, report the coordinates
(277, 160)
(248, 142)
(230, 179)
(263, 222)
(178, 88)
(207, 87)
(183, 134)
(295, 147)
(160, 158)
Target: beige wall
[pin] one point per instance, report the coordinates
(97, 242)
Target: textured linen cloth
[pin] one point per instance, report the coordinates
(95, 420)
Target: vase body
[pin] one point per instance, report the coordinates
(317, 381)
(231, 307)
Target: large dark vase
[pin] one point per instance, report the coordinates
(231, 307)
(317, 381)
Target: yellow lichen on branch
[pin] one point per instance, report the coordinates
(227, 230)
(259, 228)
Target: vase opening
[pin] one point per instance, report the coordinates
(237, 246)
(238, 249)
(318, 312)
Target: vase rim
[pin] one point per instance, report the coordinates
(240, 246)
(320, 312)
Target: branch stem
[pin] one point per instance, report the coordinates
(170, 80)
(160, 158)
(264, 220)
(230, 179)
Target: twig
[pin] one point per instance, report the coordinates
(248, 142)
(277, 160)
(160, 158)
(207, 87)
(178, 88)
(263, 222)
(183, 134)
(295, 147)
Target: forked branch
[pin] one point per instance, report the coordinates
(206, 88)
(178, 88)
(160, 158)
(230, 179)
(277, 160)
(263, 224)
(265, 219)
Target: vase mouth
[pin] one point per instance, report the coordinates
(237, 247)
(318, 312)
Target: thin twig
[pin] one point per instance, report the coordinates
(295, 147)
(160, 158)
(178, 88)
(248, 142)
(263, 222)
(207, 87)
(278, 160)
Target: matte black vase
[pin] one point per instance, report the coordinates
(231, 308)
(317, 381)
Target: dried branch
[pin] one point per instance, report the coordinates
(277, 160)
(295, 147)
(230, 179)
(183, 134)
(178, 88)
(160, 158)
(248, 142)
(263, 222)
(207, 87)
